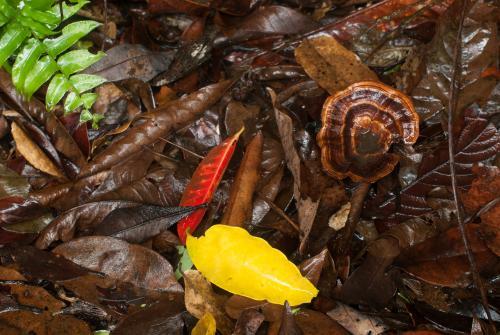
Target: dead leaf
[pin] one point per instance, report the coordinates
(238, 210)
(337, 221)
(121, 260)
(159, 123)
(330, 64)
(60, 137)
(316, 323)
(431, 96)
(32, 153)
(201, 299)
(126, 61)
(79, 218)
(356, 322)
(306, 206)
(288, 324)
(248, 323)
(442, 261)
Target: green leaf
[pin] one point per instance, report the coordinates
(85, 82)
(43, 70)
(3, 19)
(58, 86)
(38, 29)
(25, 61)
(72, 102)
(40, 4)
(77, 60)
(41, 16)
(88, 99)
(70, 35)
(185, 263)
(68, 11)
(85, 116)
(12, 38)
(7, 10)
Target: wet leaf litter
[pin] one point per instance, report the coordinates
(249, 167)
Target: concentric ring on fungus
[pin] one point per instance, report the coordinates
(360, 124)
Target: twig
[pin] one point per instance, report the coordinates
(452, 106)
(105, 28)
(159, 154)
(182, 148)
(279, 211)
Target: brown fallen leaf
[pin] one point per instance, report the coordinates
(356, 322)
(288, 324)
(201, 299)
(485, 189)
(442, 260)
(239, 208)
(307, 207)
(316, 323)
(156, 124)
(60, 137)
(121, 260)
(330, 64)
(32, 153)
(248, 323)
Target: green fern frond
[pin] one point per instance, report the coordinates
(38, 53)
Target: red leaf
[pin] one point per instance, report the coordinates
(204, 182)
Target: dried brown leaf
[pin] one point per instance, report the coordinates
(32, 152)
(200, 299)
(238, 210)
(330, 64)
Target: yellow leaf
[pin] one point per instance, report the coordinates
(205, 325)
(32, 153)
(240, 263)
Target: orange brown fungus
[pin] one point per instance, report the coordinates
(360, 124)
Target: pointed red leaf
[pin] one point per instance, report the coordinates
(204, 182)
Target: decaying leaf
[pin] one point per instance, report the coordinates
(331, 65)
(158, 124)
(121, 260)
(201, 299)
(307, 206)
(238, 211)
(356, 322)
(442, 261)
(131, 61)
(431, 96)
(337, 221)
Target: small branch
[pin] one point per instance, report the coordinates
(182, 148)
(280, 212)
(452, 108)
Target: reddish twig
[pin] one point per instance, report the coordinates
(452, 106)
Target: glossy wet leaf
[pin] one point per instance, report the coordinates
(70, 35)
(121, 260)
(442, 261)
(240, 263)
(204, 182)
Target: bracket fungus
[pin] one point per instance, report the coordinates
(360, 124)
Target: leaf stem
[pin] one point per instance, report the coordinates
(452, 109)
